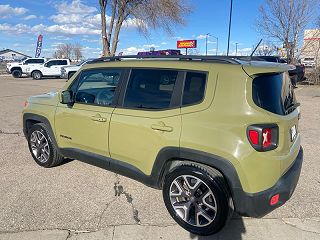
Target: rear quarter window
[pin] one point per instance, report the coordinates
(194, 88)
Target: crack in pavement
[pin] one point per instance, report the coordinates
(100, 216)
(104, 210)
(297, 227)
(113, 230)
(119, 190)
(69, 234)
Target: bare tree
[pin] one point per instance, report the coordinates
(266, 49)
(146, 14)
(64, 50)
(77, 51)
(285, 20)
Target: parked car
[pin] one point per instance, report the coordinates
(296, 75)
(51, 68)
(69, 71)
(309, 62)
(214, 133)
(19, 68)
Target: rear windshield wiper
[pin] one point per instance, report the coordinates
(292, 107)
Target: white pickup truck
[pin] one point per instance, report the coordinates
(51, 68)
(68, 71)
(19, 68)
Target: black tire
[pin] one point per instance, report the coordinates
(54, 158)
(16, 73)
(36, 75)
(70, 74)
(216, 183)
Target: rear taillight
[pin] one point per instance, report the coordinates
(263, 137)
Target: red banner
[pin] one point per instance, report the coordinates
(187, 44)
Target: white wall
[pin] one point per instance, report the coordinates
(9, 56)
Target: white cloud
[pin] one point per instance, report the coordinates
(16, 29)
(73, 18)
(60, 38)
(151, 46)
(132, 50)
(90, 40)
(178, 38)
(29, 17)
(164, 43)
(7, 11)
(76, 7)
(242, 52)
(201, 36)
(78, 18)
(212, 42)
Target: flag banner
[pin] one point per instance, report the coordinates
(39, 46)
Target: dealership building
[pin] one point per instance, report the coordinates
(311, 45)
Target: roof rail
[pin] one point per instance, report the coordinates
(218, 59)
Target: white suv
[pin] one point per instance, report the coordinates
(19, 68)
(51, 68)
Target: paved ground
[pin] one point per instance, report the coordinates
(79, 201)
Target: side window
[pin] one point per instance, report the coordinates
(194, 88)
(150, 89)
(51, 63)
(38, 61)
(97, 86)
(28, 61)
(62, 62)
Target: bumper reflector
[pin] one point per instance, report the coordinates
(274, 199)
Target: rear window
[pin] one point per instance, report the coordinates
(274, 93)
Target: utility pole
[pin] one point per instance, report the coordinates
(229, 27)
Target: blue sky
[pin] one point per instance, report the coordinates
(78, 21)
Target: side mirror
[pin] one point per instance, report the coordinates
(67, 97)
(46, 65)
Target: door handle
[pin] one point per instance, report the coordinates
(98, 118)
(162, 127)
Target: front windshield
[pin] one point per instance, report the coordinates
(81, 63)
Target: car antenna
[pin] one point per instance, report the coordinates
(255, 49)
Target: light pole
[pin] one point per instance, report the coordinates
(217, 39)
(236, 49)
(229, 27)
(217, 44)
(207, 35)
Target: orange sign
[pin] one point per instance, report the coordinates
(187, 44)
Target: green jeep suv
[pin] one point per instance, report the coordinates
(216, 134)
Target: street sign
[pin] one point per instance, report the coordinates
(187, 44)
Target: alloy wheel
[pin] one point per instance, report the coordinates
(40, 146)
(193, 201)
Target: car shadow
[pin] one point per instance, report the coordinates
(65, 161)
(232, 231)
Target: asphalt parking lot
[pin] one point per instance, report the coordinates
(79, 201)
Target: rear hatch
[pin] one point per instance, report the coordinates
(274, 93)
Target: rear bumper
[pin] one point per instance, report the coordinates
(258, 204)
